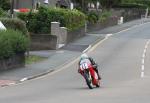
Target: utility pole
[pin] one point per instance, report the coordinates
(12, 9)
(32, 5)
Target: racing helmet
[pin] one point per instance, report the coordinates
(84, 56)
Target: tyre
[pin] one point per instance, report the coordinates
(97, 81)
(98, 84)
(88, 80)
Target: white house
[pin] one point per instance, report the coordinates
(31, 3)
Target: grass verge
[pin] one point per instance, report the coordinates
(33, 59)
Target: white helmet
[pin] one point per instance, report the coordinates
(84, 56)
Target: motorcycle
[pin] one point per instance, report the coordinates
(90, 76)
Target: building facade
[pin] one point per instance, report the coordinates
(32, 3)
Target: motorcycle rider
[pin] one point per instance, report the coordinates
(85, 56)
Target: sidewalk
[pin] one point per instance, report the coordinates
(58, 58)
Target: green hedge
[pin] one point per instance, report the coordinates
(104, 15)
(5, 4)
(12, 42)
(2, 13)
(40, 22)
(94, 17)
(15, 24)
(130, 5)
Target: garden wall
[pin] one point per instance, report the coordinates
(75, 34)
(101, 25)
(16, 61)
(43, 42)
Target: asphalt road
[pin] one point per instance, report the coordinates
(124, 64)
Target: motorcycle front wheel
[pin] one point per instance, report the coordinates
(88, 80)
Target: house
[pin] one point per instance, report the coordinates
(32, 3)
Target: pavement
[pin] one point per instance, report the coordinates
(58, 58)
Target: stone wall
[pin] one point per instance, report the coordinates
(101, 25)
(14, 62)
(129, 13)
(75, 34)
(43, 42)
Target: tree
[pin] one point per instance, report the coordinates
(107, 4)
(5, 4)
(144, 2)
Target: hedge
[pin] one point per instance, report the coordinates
(40, 22)
(12, 42)
(2, 13)
(130, 5)
(15, 24)
(94, 17)
(5, 4)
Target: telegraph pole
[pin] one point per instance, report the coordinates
(12, 9)
(32, 5)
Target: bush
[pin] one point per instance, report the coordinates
(2, 13)
(15, 24)
(93, 17)
(5, 4)
(40, 22)
(130, 5)
(12, 42)
(104, 15)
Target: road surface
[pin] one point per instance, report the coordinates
(124, 64)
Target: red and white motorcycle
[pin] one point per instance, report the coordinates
(89, 74)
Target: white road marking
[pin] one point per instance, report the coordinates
(108, 35)
(142, 74)
(23, 79)
(87, 49)
(144, 51)
(142, 67)
(143, 59)
(143, 56)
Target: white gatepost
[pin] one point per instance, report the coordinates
(120, 21)
(2, 27)
(71, 6)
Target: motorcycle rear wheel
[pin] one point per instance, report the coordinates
(98, 84)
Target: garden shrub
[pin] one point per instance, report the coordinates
(2, 13)
(5, 4)
(93, 17)
(104, 15)
(12, 42)
(15, 24)
(130, 5)
(40, 22)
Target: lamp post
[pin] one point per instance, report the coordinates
(12, 9)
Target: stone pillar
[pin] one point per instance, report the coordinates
(55, 30)
(63, 36)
